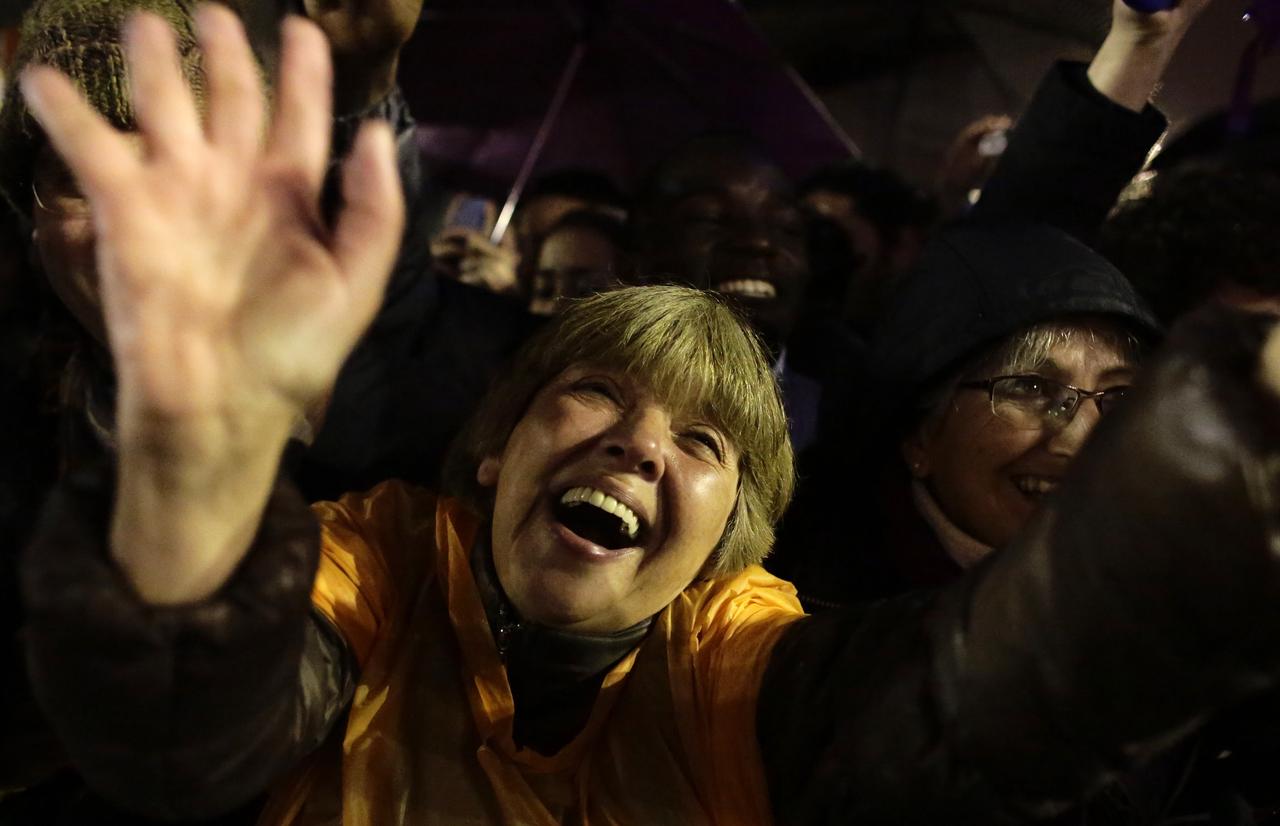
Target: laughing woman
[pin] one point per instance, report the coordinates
(582, 635)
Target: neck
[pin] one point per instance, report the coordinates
(554, 674)
(963, 549)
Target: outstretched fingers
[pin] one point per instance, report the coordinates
(99, 157)
(301, 127)
(162, 100)
(236, 100)
(367, 235)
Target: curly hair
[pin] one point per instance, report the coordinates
(1197, 229)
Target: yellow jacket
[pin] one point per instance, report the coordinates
(671, 738)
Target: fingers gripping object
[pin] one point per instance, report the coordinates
(1150, 6)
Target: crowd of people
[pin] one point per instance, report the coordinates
(730, 499)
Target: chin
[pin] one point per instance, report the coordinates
(555, 603)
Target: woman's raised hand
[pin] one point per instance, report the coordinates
(229, 303)
(221, 283)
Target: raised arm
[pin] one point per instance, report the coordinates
(1133, 58)
(365, 38)
(229, 305)
(1088, 131)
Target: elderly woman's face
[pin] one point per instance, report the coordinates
(989, 476)
(608, 503)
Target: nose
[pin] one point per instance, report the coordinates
(754, 238)
(1068, 441)
(635, 444)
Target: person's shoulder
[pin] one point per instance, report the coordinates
(392, 496)
(727, 604)
(393, 521)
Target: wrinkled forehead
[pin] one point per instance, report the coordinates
(687, 397)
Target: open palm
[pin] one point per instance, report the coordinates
(222, 286)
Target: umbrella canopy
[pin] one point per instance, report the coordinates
(611, 85)
(906, 77)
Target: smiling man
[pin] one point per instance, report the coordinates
(720, 216)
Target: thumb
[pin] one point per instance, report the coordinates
(368, 231)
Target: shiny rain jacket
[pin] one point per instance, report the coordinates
(429, 740)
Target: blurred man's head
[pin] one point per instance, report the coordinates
(1200, 234)
(719, 215)
(882, 221)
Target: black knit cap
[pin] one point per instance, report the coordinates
(977, 284)
(83, 39)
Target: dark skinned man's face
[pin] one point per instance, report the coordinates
(729, 222)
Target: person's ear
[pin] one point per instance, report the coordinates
(915, 452)
(487, 473)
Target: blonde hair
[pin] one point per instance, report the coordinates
(696, 354)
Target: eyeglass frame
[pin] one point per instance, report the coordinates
(1061, 420)
(41, 206)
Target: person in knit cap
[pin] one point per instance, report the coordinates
(54, 374)
(81, 38)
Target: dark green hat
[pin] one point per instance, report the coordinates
(83, 39)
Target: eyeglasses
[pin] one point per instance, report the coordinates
(1035, 402)
(69, 204)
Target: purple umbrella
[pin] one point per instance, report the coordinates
(506, 88)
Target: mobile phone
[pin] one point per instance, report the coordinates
(470, 212)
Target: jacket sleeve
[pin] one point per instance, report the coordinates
(1071, 155)
(186, 712)
(1134, 608)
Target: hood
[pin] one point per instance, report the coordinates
(979, 283)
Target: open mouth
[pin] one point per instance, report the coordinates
(1035, 487)
(755, 288)
(599, 518)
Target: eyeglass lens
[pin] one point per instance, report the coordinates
(1031, 402)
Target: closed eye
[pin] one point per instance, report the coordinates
(708, 441)
(598, 388)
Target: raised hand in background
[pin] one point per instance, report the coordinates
(365, 37)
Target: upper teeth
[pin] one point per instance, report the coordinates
(751, 287)
(1035, 485)
(606, 503)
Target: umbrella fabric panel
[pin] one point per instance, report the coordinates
(654, 74)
